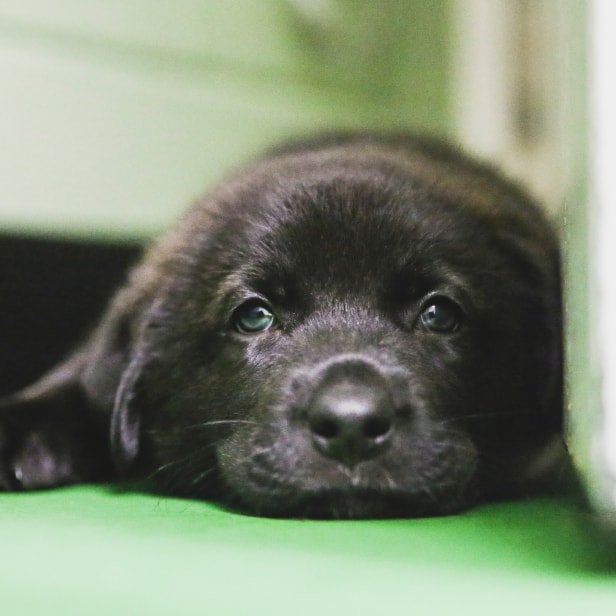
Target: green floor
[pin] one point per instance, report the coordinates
(93, 550)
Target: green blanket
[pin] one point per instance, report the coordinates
(95, 550)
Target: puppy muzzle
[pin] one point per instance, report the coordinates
(351, 406)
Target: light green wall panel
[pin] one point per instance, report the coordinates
(114, 115)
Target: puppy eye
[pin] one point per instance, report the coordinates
(441, 315)
(253, 317)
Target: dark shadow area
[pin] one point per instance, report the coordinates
(51, 294)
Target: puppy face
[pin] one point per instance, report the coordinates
(363, 328)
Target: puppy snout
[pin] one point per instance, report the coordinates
(351, 414)
(350, 423)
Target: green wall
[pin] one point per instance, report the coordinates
(117, 113)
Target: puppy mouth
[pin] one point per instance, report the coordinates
(352, 442)
(304, 484)
(354, 501)
(340, 504)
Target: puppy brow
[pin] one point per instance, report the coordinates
(239, 288)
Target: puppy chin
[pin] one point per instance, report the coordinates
(350, 503)
(297, 482)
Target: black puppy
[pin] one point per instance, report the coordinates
(357, 326)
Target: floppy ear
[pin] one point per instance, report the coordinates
(125, 423)
(125, 420)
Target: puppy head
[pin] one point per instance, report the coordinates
(367, 327)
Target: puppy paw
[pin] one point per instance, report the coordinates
(38, 464)
(27, 461)
(44, 446)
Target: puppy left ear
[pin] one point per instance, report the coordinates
(550, 362)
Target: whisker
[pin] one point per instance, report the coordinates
(391, 484)
(169, 465)
(178, 462)
(202, 476)
(450, 420)
(426, 489)
(219, 422)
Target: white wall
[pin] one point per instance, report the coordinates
(603, 240)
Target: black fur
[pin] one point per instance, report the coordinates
(356, 326)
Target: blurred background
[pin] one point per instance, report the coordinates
(115, 114)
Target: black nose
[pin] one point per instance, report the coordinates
(351, 421)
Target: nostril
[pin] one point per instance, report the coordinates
(324, 427)
(376, 427)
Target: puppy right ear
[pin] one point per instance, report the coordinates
(125, 425)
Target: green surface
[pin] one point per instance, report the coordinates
(93, 550)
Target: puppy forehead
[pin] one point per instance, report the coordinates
(349, 230)
(356, 216)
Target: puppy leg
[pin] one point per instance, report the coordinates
(50, 436)
(79, 422)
